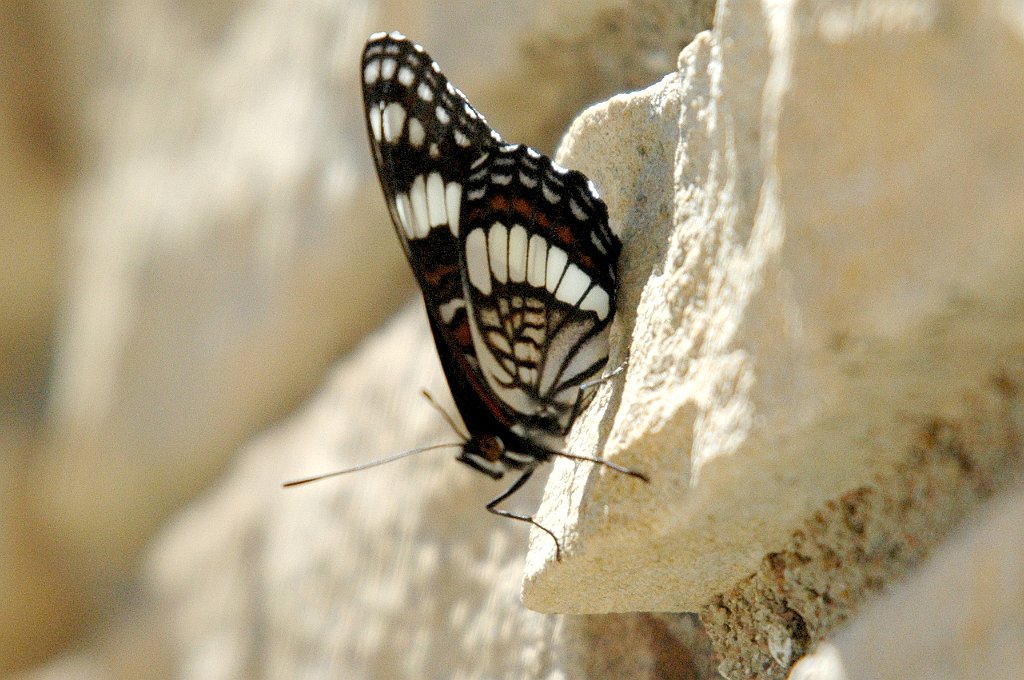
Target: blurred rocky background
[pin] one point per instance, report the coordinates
(821, 299)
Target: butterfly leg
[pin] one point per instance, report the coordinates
(522, 518)
(606, 463)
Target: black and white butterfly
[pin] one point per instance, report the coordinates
(512, 252)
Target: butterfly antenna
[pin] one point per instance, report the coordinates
(444, 414)
(373, 464)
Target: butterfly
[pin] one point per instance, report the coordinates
(513, 255)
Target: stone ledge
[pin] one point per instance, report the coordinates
(833, 280)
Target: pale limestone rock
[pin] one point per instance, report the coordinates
(214, 272)
(391, 572)
(824, 361)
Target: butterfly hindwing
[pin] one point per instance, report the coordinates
(539, 274)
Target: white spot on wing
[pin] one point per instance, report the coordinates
(387, 68)
(442, 115)
(435, 200)
(425, 93)
(596, 301)
(497, 248)
(434, 151)
(501, 179)
(375, 122)
(406, 76)
(476, 261)
(556, 265)
(517, 252)
(577, 210)
(449, 308)
(418, 198)
(416, 132)
(393, 120)
(537, 258)
(453, 204)
(573, 286)
(500, 341)
(460, 138)
(527, 181)
(405, 215)
(371, 72)
(526, 352)
(550, 195)
(476, 194)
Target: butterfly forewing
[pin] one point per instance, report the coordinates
(424, 135)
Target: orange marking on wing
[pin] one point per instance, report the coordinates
(434, 276)
(523, 207)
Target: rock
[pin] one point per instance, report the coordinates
(825, 357)
(959, 616)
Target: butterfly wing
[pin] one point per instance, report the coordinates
(539, 273)
(424, 135)
(513, 253)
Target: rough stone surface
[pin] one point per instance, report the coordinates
(212, 273)
(959, 617)
(392, 572)
(824, 358)
(870, 537)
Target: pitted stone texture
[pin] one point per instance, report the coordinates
(959, 617)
